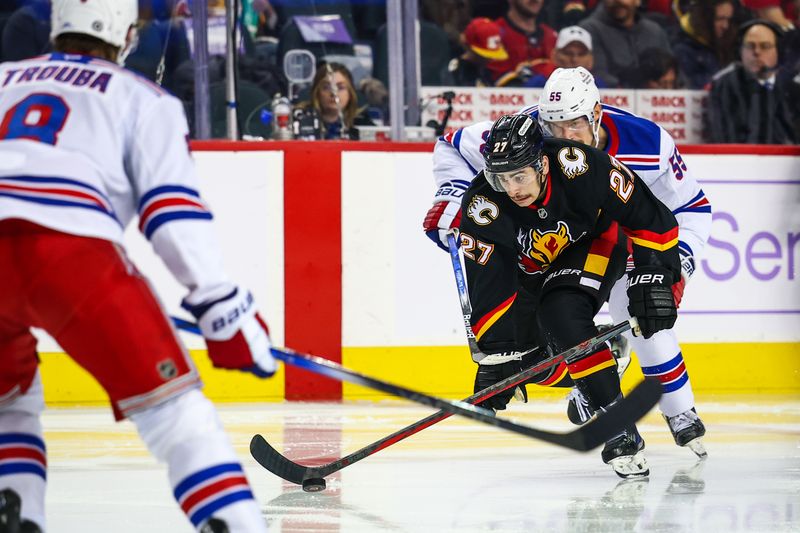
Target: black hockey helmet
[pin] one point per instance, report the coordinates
(514, 142)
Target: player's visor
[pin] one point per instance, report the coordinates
(505, 181)
(561, 128)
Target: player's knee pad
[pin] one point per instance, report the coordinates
(183, 418)
(30, 402)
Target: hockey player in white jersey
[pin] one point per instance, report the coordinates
(570, 107)
(85, 146)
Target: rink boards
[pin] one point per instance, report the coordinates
(328, 236)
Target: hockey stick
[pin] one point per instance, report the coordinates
(463, 294)
(586, 437)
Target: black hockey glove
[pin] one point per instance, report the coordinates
(650, 299)
(488, 375)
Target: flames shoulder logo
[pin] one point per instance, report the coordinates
(482, 211)
(543, 246)
(572, 161)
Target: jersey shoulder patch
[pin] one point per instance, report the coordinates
(482, 211)
(573, 161)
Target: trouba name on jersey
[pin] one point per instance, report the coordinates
(77, 76)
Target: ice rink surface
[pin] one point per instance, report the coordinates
(456, 476)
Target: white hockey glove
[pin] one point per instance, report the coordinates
(446, 211)
(236, 336)
(687, 269)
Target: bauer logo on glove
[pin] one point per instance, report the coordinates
(239, 310)
(646, 279)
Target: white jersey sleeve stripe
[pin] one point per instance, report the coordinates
(170, 202)
(61, 192)
(698, 204)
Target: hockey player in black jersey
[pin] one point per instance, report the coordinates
(542, 230)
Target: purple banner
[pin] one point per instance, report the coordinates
(323, 29)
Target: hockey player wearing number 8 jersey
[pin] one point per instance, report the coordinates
(541, 235)
(570, 107)
(85, 146)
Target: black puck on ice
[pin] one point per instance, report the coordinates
(314, 484)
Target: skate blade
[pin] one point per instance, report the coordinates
(697, 446)
(630, 466)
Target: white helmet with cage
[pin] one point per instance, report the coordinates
(570, 93)
(107, 20)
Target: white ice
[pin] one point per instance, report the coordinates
(457, 475)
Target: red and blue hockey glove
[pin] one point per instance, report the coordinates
(236, 336)
(446, 211)
(650, 299)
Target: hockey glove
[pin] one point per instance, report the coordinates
(687, 269)
(488, 375)
(446, 212)
(236, 336)
(650, 299)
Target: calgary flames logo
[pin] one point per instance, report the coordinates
(540, 248)
(572, 161)
(482, 211)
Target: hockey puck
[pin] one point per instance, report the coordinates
(314, 484)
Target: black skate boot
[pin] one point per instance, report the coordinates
(687, 430)
(10, 505)
(625, 454)
(215, 525)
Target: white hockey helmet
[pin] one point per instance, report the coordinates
(568, 94)
(107, 20)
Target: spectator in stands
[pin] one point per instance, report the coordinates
(482, 45)
(450, 15)
(27, 31)
(619, 34)
(334, 98)
(705, 43)
(162, 42)
(658, 69)
(573, 49)
(560, 14)
(526, 40)
(784, 13)
(752, 101)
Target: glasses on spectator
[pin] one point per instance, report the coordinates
(761, 47)
(559, 129)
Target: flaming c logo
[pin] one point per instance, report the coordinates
(544, 246)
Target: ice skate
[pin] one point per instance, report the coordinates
(10, 521)
(687, 430)
(625, 454)
(10, 505)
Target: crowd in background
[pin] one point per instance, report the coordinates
(746, 53)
